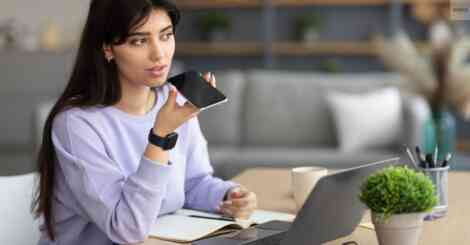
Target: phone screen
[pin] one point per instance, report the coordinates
(197, 90)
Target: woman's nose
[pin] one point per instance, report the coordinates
(157, 52)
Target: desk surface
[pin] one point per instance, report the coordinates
(274, 194)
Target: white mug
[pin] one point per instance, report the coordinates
(303, 179)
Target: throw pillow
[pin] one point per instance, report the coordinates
(370, 120)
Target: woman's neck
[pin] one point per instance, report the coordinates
(136, 100)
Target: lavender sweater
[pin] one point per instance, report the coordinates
(107, 192)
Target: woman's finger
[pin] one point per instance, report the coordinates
(239, 202)
(207, 76)
(189, 110)
(212, 80)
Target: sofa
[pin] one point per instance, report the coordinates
(272, 119)
(282, 119)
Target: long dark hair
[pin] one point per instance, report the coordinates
(93, 80)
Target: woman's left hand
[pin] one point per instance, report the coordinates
(240, 203)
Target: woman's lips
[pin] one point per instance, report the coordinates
(157, 71)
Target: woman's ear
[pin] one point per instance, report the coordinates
(108, 52)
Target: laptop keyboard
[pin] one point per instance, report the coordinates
(254, 235)
(269, 240)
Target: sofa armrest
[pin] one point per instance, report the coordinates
(41, 113)
(416, 112)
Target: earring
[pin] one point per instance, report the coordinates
(109, 58)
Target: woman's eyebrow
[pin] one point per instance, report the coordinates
(148, 33)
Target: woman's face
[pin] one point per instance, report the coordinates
(145, 58)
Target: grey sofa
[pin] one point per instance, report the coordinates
(281, 119)
(273, 118)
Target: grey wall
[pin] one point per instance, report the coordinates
(68, 14)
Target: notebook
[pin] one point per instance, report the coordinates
(181, 227)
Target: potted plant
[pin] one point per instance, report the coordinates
(330, 66)
(308, 27)
(399, 198)
(215, 26)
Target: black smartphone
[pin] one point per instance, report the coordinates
(197, 90)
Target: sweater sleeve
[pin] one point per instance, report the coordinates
(203, 191)
(123, 208)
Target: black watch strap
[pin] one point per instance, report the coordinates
(166, 143)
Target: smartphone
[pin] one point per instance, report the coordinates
(197, 90)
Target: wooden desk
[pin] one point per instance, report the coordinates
(274, 194)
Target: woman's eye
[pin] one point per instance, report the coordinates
(138, 42)
(167, 36)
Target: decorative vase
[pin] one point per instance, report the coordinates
(440, 131)
(309, 35)
(398, 229)
(51, 38)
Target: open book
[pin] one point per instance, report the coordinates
(183, 226)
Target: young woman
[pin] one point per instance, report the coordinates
(108, 164)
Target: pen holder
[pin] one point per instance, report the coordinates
(439, 177)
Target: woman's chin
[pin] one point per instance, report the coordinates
(156, 82)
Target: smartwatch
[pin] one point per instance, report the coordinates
(166, 143)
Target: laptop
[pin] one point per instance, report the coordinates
(332, 210)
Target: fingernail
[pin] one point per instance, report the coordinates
(228, 202)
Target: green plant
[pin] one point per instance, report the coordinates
(308, 21)
(398, 190)
(214, 21)
(329, 66)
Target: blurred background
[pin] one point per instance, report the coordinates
(300, 76)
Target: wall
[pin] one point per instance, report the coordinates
(69, 14)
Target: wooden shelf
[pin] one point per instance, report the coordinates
(204, 4)
(219, 49)
(201, 4)
(286, 48)
(344, 48)
(294, 3)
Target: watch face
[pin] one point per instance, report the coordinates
(172, 138)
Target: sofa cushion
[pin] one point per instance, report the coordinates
(367, 120)
(221, 124)
(289, 108)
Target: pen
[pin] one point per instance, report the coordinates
(209, 217)
(411, 157)
(420, 156)
(435, 157)
(446, 160)
(429, 160)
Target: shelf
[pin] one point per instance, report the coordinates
(344, 48)
(204, 4)
(219, 49)
(201, 4)
(294, 3)
(287, 48)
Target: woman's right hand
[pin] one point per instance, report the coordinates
(171, 115)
